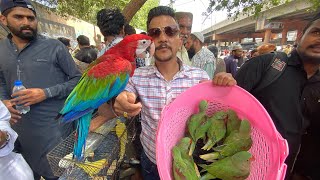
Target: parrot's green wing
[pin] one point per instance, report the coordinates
(236, 167)
(233, 121)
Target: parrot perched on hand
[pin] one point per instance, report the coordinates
(183, 164)
(104, 79)
(217, 130)
(235, 167)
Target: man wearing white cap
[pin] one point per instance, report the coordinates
(203, 58)
(232, 60)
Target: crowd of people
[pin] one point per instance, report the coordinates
(286, 83)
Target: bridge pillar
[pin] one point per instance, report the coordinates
(284, 36)
(267, 36)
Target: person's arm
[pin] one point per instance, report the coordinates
(126, 101)
(68, 66)
(6, 99)
(251, 72)
(105, 113)
(8, 136)
(3, 87)
(209, 68)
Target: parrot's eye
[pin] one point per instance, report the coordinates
(143, 42)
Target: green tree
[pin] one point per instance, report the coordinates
(249, 7)
(87, 9)
(140, 18)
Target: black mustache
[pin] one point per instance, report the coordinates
(162, 46)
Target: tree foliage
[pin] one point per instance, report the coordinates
(140, 18)
(87, 9)
(249, 7)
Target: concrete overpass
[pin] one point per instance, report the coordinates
(292, 16)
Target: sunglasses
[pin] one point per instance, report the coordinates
(170, 31)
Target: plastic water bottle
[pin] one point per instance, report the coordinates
(18, 86)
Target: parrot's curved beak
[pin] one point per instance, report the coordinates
(148, 51)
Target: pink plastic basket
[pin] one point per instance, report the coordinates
(269, 148)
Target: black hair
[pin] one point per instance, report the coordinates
(64, 41)
(128, 29)
(110, 21)
(214, 50)
(83, 40)
(159, 11)
(316, 17)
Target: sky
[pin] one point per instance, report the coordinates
(197, 7)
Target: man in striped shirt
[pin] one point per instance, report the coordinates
(158, 85)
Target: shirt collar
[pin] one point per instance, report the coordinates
(315, 77)
(294, 59)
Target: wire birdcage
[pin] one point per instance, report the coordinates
(105, 150)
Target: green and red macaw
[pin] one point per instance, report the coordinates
(104, 79)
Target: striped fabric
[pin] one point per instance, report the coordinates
(155, 92)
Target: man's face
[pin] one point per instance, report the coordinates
(189, 43)
(21, 22)
(167, 42)
(309, 44)
(237, 53)
(185, 25)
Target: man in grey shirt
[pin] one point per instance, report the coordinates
(48, 72)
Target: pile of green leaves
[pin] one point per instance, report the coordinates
(217, 145)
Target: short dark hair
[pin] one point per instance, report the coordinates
(110, 21)
(64, 41)
(316, 17)
(214, 50)
(159, 11)
(128, 29)
(83, 40)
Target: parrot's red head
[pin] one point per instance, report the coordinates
(130, 47)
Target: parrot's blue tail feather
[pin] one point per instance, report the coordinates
(82, 133)
(74, 115)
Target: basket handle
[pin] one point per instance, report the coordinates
(284, 147)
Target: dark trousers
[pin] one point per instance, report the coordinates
(149, 169)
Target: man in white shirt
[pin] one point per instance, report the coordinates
(203, 58)
(12, 165)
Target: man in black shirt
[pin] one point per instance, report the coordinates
(282, 98)
(308, 161)
(86, 53)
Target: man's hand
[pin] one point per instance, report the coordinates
(29, 97)
(15, 114)
(224, 79)
(125, 102)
